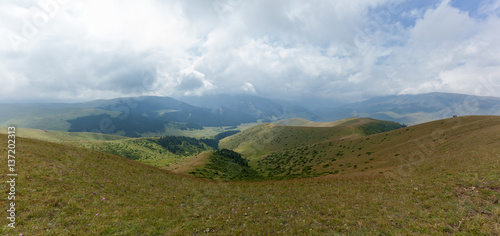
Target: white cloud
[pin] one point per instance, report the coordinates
(288, 49)
(248, 88)
(447, 51)
(490, 7)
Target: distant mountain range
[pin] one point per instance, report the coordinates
(415, 109)
(408, 109)
(258, 107)
(136, 116)
(125, 116)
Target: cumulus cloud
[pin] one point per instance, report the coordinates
(291, 49)
(248, 88)
(192, 82)
(447, 50)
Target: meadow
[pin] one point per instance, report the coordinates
(452, 187)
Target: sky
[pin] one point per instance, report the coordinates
(79, 50)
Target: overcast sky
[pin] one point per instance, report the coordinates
(290, 49)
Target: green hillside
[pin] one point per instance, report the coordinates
(266, 138)
(226, 165)
(61, 136)
(145, 150)
(453, 188)
(307, 123)
(379, 154)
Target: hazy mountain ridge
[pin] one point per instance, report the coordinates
(259, 107)
(169, 109)
(127, 116)
(416, 109)
(408, 109)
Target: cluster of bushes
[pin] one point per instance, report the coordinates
(288, 165)
(225, 134)
(227, 165)
(181, 145)
(379, 127)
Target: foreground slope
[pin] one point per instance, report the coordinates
(63, 190)
(265, 138)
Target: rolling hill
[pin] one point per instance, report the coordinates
(344, 122)
(452, 188)
(149, 150)
(61, 136)
(265, 138)
(348, 150)
(155, 151)
(380, 154)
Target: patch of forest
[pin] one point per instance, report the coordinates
(227, 165)
(184, 145)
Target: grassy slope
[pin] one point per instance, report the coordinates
(381, 154)
(61, 136)
(64, 190)
(308, 123)
(51, 118)
(144, 150)
(187, 165)
(266, 138)
(226, 165)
